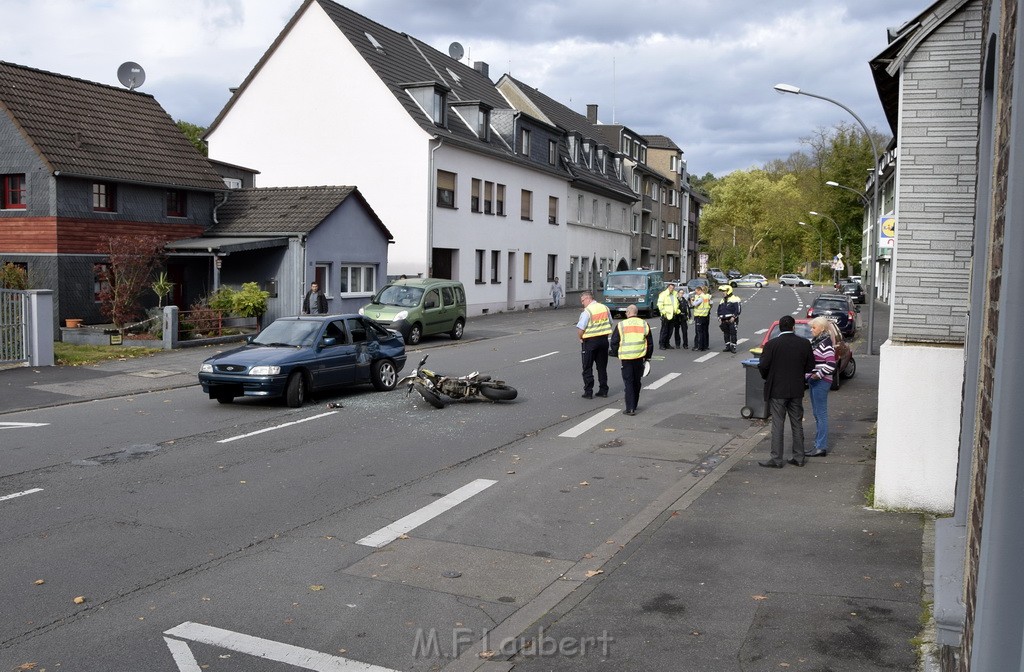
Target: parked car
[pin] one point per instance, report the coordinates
(295, 357)
(846, 366)
(716, 278)
(733, 274)
(750, 280)
(419, 307)
(854, 291)
(794, 280)
(692, 285)
(838, 308)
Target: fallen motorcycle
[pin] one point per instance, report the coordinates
(432, 385)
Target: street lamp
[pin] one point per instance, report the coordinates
(874, 214)
(840, 233)
(821, 245)
(862, 197)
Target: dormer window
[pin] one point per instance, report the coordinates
(600, 159)
(586, 153)
(432, 98)
(574, 149)
(477, 116)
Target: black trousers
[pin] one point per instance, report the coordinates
(632, 373)
(666, 331)
(729, 331)
(782, 409)
(700, 332)
(594, 352)
(679, 330)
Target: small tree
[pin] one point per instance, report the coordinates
(223, 300)
(13, 276)
(131, 261)
(161, 287)
(251, 301)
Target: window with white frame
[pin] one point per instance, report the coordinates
(357, 279)
(524, 142)
(579, 208)
(526, 205)
(495, 266)
(552, 152)
(552, 267)
(574, 264)
(627, 144)
(593, 212)
(552, 210)
(607, 214)
(636, 182)
(322, 277)
(527, 267)
(500, 204)
(474, 196)
(446, 189)
(480, 267)
(488, 198)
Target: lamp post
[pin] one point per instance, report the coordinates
(821, 245)
(874, 213)
(838, 232)
(863, 199)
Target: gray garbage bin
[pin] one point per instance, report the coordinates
(756, 406)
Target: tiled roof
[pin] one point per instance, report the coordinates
(661, 142)
(93, 130)
(282, 210)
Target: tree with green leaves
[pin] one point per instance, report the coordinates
(194, 134)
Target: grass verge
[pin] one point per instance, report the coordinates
(67, 354)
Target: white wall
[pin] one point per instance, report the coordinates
(920, 389)
(317, 114)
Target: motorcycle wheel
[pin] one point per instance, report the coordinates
(498, 391)
(433, 398)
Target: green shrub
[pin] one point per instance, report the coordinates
(222, 300)
(13, 277)
(250, 301)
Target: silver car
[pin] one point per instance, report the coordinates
(750, 280)
(794, 280)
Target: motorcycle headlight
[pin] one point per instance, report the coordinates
(206, 368)
(401, 315)
(264, 370)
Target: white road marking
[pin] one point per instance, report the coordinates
(270, 429)
(20, 494)
(761, 331)
(386, 535)
(21, 425)
(531, 359)
(305, 659)
(713, 353)
(744, 340)
(589, 423)
(664, 380)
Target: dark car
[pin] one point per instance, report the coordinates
(692, 285)
(295, 357)
(846, 365)
(733, 274)
(716, 278)
(854, 291)
(838, 308)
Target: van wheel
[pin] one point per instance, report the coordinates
(415, 334)
(456, 332)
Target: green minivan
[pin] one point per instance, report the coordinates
(419, 307)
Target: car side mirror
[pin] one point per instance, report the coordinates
(250, 338)
(328, 341)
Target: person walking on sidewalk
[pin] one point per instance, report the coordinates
(819, 381)
(680, 329)
(729, 315)
(633, 344)
(668, 306)
(701, 318)
(593, 328)
(556, 294)
(314, 303)
(785, 361)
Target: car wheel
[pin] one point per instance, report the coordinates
(225, 397)
(295, 392)
(456, 332)
(757, 284)
(783, 284)
(384, 376)
(414, 335)
(498, 391)
(733, 284)
(851, 369)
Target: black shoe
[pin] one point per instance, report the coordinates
(628, 412)
(771, 465)
(727, 349)
(793, 461)
(667, 347)
(817, 453)
(603, 394)
(588, 395)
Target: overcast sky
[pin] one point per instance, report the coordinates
(698, 71)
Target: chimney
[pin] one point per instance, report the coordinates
(592, 113)
(482, 68)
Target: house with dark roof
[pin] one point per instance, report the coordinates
(472, 188)
(284, 237)
(80, 161)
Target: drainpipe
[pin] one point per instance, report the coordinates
(432, 181)
(302, 270)
(218, 205)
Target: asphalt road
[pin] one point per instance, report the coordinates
(208, 536)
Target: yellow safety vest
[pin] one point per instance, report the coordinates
(668, 304)
(600, 323)
(703, 307)
(633, 338)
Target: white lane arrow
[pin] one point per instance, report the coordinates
(21, 425)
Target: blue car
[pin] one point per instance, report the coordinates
(296, 357)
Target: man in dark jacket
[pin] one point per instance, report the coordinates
(314, 303)
(784, 365)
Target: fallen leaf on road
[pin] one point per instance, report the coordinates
(27, 666)
(79, 600)
(316, 587)
(242, 482)
(510, 472)
(594, 572)
(584, 483)
(403, 536)
(609, 429)
(39, 582)
(486, 654)
(759, 597)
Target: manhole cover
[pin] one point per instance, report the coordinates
(154, 373)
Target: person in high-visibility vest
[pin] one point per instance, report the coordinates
(633, 344)
(701, 303)
(593, 328)
(668, 306)
(729, 315)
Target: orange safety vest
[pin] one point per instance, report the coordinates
(600, 323)
(633, 338)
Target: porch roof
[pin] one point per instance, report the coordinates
(224, 245)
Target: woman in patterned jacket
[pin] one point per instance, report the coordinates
(820, 380)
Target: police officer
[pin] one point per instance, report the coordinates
(680, 328)
(729, 315)
(668, 306)
(701, 317)
(593, 328)
(633, 344)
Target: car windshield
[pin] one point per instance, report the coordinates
(831, 304)
(627, 282)
(851, 287)
(801, 329)
(294, 333)
(399, 295)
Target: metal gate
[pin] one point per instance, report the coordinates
(13, 326)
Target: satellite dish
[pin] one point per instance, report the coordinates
(131, 75)
(456, 51)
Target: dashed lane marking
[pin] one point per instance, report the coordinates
(275, 427)
(532, 359)
(386, 535)
(664, 380)
(704, 358)
(20, 494)
(22, 425)
(589, 423)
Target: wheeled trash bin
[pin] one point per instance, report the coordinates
(756, 405)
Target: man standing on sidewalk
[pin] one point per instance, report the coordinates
(668, 306)
(785, 362)
(593, 327)
(633, 344)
